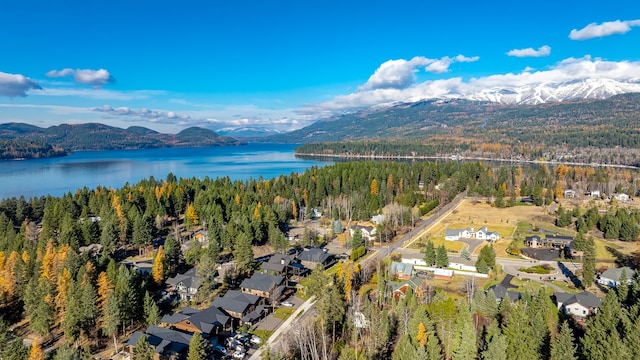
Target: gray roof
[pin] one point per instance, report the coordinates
(163, 340)
(585, 299)
(277, 262)
(500, 291)
(398, 266)
(235, 301)
(205, 320)
(615, 273)
(453, 232)
(254, 315)
(316, 255)
(262, 282)
(188, 279)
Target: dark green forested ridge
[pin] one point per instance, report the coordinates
(27, 149)
(102, 137)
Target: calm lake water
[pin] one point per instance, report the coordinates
(114, 168)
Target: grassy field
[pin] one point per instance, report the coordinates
(263, 334)
(283, 313)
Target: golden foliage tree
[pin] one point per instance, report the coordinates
(422, 335)
(157, 270)
(374, 187)
(62, 289)
(104, 286)
(192, 216)
(36, 352)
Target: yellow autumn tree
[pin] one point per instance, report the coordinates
(157, 270)
(62, 289)
(374, 187)
(36, 352)
(104, 286)
(423, 335)
(294, 208)
(48, 269)
(191, 216)
(8, 278)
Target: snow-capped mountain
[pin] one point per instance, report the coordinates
(554, 92)
(247, 131)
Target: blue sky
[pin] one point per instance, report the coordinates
(168, 65)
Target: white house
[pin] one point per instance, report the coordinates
(569, 194)
(621, 197)
(579, 305)
(484, 234)
(462, 264)
(593, 193)
(611, 277)
(378, 219)
(368, 232)
(457, 234)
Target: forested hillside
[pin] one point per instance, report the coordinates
(27, 149)
(103, 137)
(602, 131)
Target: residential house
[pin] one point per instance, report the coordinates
(167, 344)
(202, 237)
(311, 257)
(236, 304)
(368, 232)
(593, 193)
(457, 234)
(580, 305)
(399, 289)
(142, 267)
(378, 219)
(263, 285)
(484, 234)
(559, 241)
(569, 194)
(210, 321)
(460, 263)
(316, 213)
(186, 285)
(402, 271)
(611, 277)
(283, 265)
(502, 292)
(535, 241)
(621, 197)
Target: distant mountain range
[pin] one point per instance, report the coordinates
(247, 132)
(555, 92)
(103, 137)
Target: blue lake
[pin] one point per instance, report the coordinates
(114, 168)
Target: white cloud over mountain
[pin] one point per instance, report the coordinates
(531, 52)
(96, 78)
(16, 85)
(153, 116)
(400, 74)
(608, 28)
(568, 70)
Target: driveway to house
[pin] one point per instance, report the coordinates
(472, 243)
(284, 327)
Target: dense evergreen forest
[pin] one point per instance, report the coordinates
(63, 289)
(27, 149)
(103, 137)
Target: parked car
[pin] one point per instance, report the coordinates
(238, 355)
(255, 339)
(221, 350)
(286, 304)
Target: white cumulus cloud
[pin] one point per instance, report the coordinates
(401, 73)
(571, 69)
(96, 78)
(13, 85)
(544, 50)
(608, 28)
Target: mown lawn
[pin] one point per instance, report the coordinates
(283, 313)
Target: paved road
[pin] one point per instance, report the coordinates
(284, 327)
(404, 241)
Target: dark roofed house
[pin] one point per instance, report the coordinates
(236, 304)
(501, 292)
(167, 344)
(311, 257)
(209, 321)
(263, 285)
(186, 285)
(560, 241)
(285, 265)
(535, 241)
(579, 305)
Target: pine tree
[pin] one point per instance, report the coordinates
(173, 254)
(602, 337)
(243, 252)
(442, 258)
(151, 310)
(197, 349)
(434, 349)
(465, 334)
(143, 350)
(404, 350)
(357, 240)
(430, 254)
(623, 287)
(111, 318)
(562, 347)
(589, 264)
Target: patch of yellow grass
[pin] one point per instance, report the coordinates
(452, 246)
